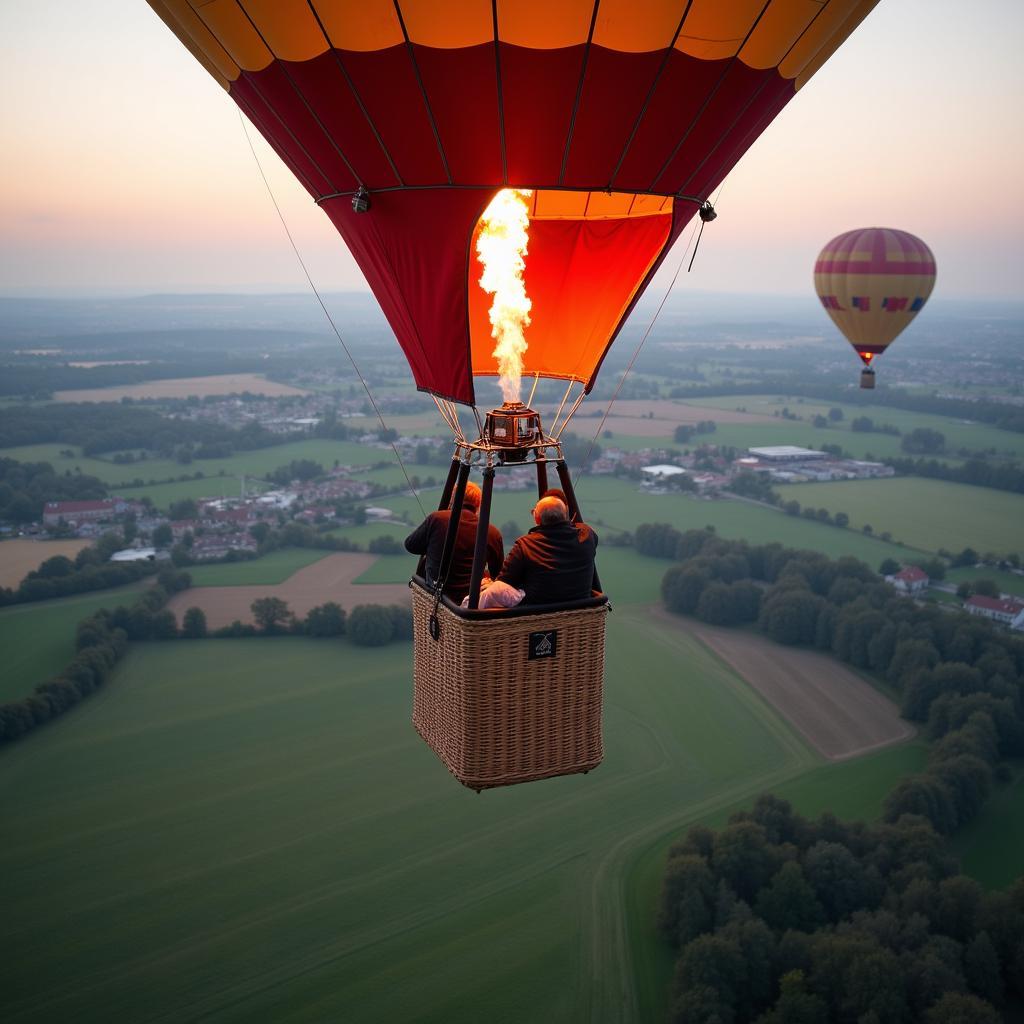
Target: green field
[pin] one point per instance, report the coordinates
(928, 514)
(1007, 582)
(285, 846)
(275, 567)
(990, 846)
(958, 433)
(38, 639)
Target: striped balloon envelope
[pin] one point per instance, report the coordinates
(622, 116)
(872, 283)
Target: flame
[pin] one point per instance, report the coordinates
(501, 248)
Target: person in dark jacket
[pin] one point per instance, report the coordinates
(554, 562)
(428, 539)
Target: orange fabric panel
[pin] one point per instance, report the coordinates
(179, 17)
(543, 24)
(448, 24)
(226, 20)
(581, 277)
(365, 26)
(289, 28)
(777, 31)
(552, 204)
(816, 36)
(714, 29)
(637, 26)
(856, 16)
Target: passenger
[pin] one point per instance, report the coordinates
(551, 564)
(428, 539)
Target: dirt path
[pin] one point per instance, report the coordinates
(835, 710)
(330, 579)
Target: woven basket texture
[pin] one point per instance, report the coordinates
(496, 718)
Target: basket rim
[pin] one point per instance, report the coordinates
(519, 611)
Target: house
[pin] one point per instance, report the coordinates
(1000, 609)
(909, 580)
(75, 512)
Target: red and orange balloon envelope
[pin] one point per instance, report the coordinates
(872, 283)
(622, 116)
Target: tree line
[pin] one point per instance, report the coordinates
(958, 675)
(25, 487)
(781, 920)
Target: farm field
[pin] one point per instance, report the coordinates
(989, 847)
(284, 839)
(329, 578)
(182, 387)
(253, 464)
(929, 514)
(20, 557)
(958, 433)
(38, 639)
(274, 567)
(1007, 582)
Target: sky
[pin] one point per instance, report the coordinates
(126, 169)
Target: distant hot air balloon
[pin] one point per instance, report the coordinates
(872, 282)
(613, 120)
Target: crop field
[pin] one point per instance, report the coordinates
(275, 567)
(928, 514)
(20, 557)
(286, 846)
(990, 846)
(183, 387)
(38, 639)
(958, 433)
(1007, 582)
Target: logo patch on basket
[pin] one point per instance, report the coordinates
(543, 644)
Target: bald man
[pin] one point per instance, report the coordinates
(554, 562)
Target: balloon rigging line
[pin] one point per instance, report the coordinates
(636, 353)
(330, 319)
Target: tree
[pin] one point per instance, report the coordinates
(791, 617)
(959, 1008)
(270, 613)
(981, 965)
(326, 620)
(842, 520)
(889, 567)
(985, 587)
(162, 536)
(371, 625)
(835, 414)
(788, 901)
(681, 589)
(193, 623)
(923, 441)
(796, 1005)
(687, 899)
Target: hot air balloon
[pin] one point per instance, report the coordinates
(615, 119)
(872, 283)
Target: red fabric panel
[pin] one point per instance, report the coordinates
(274, 86)
(387, 84)
(327, 91)
(462, 88)
(613, 95)
(728, 102)
(413, 248)
(579, 276)
(248, 96)
(682, 88)
(538, 92)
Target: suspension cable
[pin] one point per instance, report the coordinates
(330, 319)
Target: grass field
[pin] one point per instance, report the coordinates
(1007, 582)
(284, 845)
(38, 639)
(929, 514)
(958, 433)
(275, 567)
(990, 846)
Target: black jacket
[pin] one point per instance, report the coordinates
(552, 563)
(428, 539)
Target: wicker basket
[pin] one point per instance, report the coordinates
(510, 696)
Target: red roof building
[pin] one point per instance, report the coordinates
(999, 609)
(73, 512)
(910, 580)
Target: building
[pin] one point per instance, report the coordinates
(909, 580)
(786, 453)
(75, 512)
(138, 555)
(660, 473)
(1000, 609)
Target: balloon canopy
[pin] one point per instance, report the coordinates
(872, 283)
(621, 115)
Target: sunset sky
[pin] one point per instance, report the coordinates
(126, 168)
